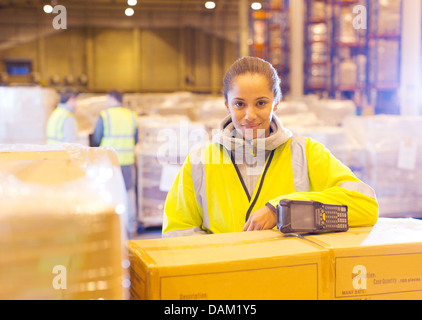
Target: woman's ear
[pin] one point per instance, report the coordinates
(227, 106)
(275, 107)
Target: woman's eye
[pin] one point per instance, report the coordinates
(239, 105)
(261, 103)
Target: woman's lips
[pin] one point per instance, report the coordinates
(251, 126)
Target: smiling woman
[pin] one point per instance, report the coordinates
(236, 183)
(252, 93)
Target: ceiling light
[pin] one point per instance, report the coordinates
(48, 9)
(129, 12)
(132, 2)
(210, 4)
(256, 6)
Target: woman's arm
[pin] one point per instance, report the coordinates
(331, 182)
(182, 213)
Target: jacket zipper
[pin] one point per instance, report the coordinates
(260, 184)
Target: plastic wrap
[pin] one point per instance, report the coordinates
(24, 112)
(88, 110)
(62, 221)
(165, 142)
(336, 140)
(393, 147)
(333, 112)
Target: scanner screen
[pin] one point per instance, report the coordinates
(302, 217)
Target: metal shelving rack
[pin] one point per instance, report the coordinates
(340, 62)
(270, 37)
(318, 42)
(362, 65)
(384, 54)
(349, 54)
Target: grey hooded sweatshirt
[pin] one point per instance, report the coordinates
(249, 156)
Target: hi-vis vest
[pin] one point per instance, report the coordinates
(210, 197)
(119, 133)
(55, 125)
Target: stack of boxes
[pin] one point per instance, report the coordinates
(165, 142)
(62, 224)
(392, 148)
(24, 112)
(364, 263)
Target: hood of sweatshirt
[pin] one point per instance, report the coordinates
(233, 140)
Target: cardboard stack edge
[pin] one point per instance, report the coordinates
(61, 223)
(380, 262)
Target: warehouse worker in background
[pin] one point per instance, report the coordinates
(62, 126)
(117, 127)
(235, 183)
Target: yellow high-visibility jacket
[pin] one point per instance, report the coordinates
(208, 197)
(55, 126)
(120, 126)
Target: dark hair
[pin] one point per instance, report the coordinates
(255, 66)
(116, 94)
(67, 93)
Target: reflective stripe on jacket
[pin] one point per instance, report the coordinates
(55, 125)
(208, 197)
(119, 133)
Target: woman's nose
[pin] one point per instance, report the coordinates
(250, 113)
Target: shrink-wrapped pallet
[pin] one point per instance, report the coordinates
(336, 140)
(62, 218)
(165, 142)
(24, 112)
(393, 147)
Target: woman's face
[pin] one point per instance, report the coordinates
(251, 104)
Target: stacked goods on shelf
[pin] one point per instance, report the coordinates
(385, 17)
(392, 145)
(384, 55)
(62, 222)
(317, 44)
(24, 112)
(164, 145)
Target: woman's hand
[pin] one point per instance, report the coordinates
(263, 219)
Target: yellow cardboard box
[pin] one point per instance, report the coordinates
(383, 262)
(60, 231)
(255, 265)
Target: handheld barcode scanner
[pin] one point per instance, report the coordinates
(311, 217)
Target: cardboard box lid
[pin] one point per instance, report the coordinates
(220, 248)
(385, 232)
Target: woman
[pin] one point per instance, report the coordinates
(236, 183)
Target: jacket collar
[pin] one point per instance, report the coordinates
(231, 139)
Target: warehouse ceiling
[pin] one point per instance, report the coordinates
(111, 5)
(24, 20)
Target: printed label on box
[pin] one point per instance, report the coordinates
(375, 275)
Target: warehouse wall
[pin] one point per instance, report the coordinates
(135, 60)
